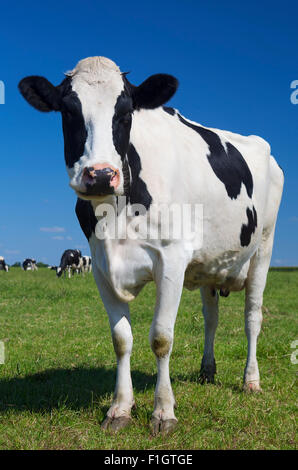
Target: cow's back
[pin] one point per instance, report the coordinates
(236, 193)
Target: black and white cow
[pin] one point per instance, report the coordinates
(71, 261)
(86, 264)
(3, 265)
(120, 141)
(29, 265)
(53, 268)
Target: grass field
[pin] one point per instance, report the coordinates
(59, 373)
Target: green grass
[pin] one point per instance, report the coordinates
(58, 378)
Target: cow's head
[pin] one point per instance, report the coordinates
(58, 271)
(97, 104)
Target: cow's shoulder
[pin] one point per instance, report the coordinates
(231, 156)
(86, 217)
(249, 142)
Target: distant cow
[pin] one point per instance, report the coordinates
(87, 264)
(29, 265)
(128, 157)
(53, 268)
(3, 265)
(71, 261)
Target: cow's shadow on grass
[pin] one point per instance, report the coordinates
(74, 389)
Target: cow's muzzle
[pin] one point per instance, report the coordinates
(100, 179)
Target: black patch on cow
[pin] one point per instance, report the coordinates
(86, 217)
(121, 125)
(139, 193)
(134, 188)
(228, 165)
(128, 87)
(2, 265)
(73, 124)
(153, 92)
(126, 177)
(169, 110)
(248, 229)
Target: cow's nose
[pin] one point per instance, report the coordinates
(100, 179)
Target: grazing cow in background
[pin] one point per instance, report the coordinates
(3, 265)
(71, 261)
(121, 141)
(87, 264)
(53, 268)
(29, 265)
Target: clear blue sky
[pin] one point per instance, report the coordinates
(235, 62)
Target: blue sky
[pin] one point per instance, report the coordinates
(235, 62)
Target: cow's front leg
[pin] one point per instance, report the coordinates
(119, 413)
(169, 287)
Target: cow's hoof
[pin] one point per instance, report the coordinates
(252, 387)
(206, 378)
(163, 427)
(115, 424)
(207, 374)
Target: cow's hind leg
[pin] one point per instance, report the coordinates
(255, 285)
(210, 312)
(119, 413)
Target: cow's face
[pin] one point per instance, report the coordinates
(97, 103)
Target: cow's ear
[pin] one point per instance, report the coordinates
(40, 93)
(155, 91)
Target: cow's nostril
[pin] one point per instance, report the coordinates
(89, 175)
(88, 170)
